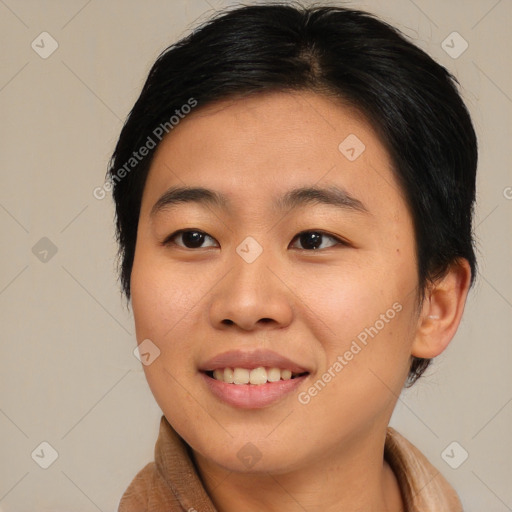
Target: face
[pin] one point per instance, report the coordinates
(304, 264)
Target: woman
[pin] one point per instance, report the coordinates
(294, 192)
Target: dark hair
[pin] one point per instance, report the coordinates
(412, 102)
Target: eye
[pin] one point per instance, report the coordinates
(194, 239)
(191, 239)
(312, 240)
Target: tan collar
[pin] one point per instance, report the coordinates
(175, 464)
(423, 487)
(174, 474)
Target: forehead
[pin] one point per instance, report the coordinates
(259, 147)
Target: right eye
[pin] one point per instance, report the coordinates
(191, 238)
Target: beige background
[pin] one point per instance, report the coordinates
(68, 373)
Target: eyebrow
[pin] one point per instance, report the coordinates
(293, 199)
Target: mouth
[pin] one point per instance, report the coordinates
(252, 380)
(255, 377)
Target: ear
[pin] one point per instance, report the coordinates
(442, 311)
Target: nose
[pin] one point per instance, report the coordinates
(252, 296)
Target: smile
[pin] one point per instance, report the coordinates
(251, 379)
(257, 376)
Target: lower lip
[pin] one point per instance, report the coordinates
(251, 396)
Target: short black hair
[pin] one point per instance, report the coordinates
(412, 102)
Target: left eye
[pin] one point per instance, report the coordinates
(312, 240)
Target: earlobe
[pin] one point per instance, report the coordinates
(442, 311)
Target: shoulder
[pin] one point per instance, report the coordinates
(423, 486)
(147, 492)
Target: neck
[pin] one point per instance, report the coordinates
(353, 478)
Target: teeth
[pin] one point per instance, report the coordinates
(227, 374)
(257, 376)
(286, 374)
(273, 374)
(241, 376)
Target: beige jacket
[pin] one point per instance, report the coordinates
(171, 483)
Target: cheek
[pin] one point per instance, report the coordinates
(365, 315)
(364, 372)
(345, 299)
(162, 297)
(163, 304)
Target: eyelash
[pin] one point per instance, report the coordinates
(339, 241)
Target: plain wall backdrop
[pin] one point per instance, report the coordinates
(69, 377)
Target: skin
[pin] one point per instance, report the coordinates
(308, 305)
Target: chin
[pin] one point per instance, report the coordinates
(251, 460)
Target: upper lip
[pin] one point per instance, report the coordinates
(250, 360)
